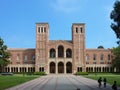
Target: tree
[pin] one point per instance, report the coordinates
(4, 55)
(115, 16)
(116, 58)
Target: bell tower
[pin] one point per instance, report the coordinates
(41, 60)
(78, 39)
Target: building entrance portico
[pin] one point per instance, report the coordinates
(60, 67)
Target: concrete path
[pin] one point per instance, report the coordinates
(60, 82)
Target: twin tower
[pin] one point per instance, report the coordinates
(60, 56)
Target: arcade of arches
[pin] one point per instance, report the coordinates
(60, 67)
(60, 53)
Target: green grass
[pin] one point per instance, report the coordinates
(9, 81)
(110, 77)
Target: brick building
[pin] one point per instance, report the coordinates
(60, 56)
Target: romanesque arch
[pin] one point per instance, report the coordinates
(68, 53)
(60, 51)
(52, 67)
(60, 67)
(68, 67)
(52, 53)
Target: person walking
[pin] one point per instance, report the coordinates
(100, 82)
(105, 81)
(114, 86)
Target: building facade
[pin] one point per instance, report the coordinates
(60, 56)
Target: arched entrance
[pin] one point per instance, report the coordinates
(52, 67)
(60, 67)
(69, 67)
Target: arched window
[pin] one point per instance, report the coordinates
(33, 57)
(76, 29)
(25, 58)
(18, 57)
(60, 52)
(87, 57)
(101, 57)
(109, 57)
(94, 56)
(68, 53)
(81, 30)
(52, 53)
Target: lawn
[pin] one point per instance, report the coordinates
(109, 76)
(9, 81)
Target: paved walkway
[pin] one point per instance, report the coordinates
(60, 82)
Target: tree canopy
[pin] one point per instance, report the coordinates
(116, 58)
(115, 16)
(4, 55)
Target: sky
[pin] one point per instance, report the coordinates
(18, 19)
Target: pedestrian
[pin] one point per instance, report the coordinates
(99, 82)
(105, 81)
(114, 86)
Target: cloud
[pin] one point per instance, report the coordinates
(66, 6)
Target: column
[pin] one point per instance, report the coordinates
(64, 53)
(56, 53)
(64, 68)
(101, 69)
(56, 68)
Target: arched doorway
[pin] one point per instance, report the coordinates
(52, 67)
(69, 67)
(60, 67)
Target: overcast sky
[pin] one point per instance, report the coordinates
(18, 20)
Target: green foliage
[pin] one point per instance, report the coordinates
(4, 55)
(81, 73)
(115, 16)
(39, 73)
(116, 58)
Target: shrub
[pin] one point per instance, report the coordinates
(39, 73)
(81, 73)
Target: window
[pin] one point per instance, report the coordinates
(33, 57)
(60, 51)
(94, 56)
(101, 57)
(76, 30)
(52, 53)
(25, 58)
(109, 57)
(81, 30)
(44, 29)
(39, 29)
(68, 53)
(87, 57)
(18, 57)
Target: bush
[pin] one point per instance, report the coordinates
(81, 73)
(39, 73)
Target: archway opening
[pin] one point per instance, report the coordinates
(68, 53)
(69, 67)
(60, 67)
(52, 53)
(52, 67)
(60, 51)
